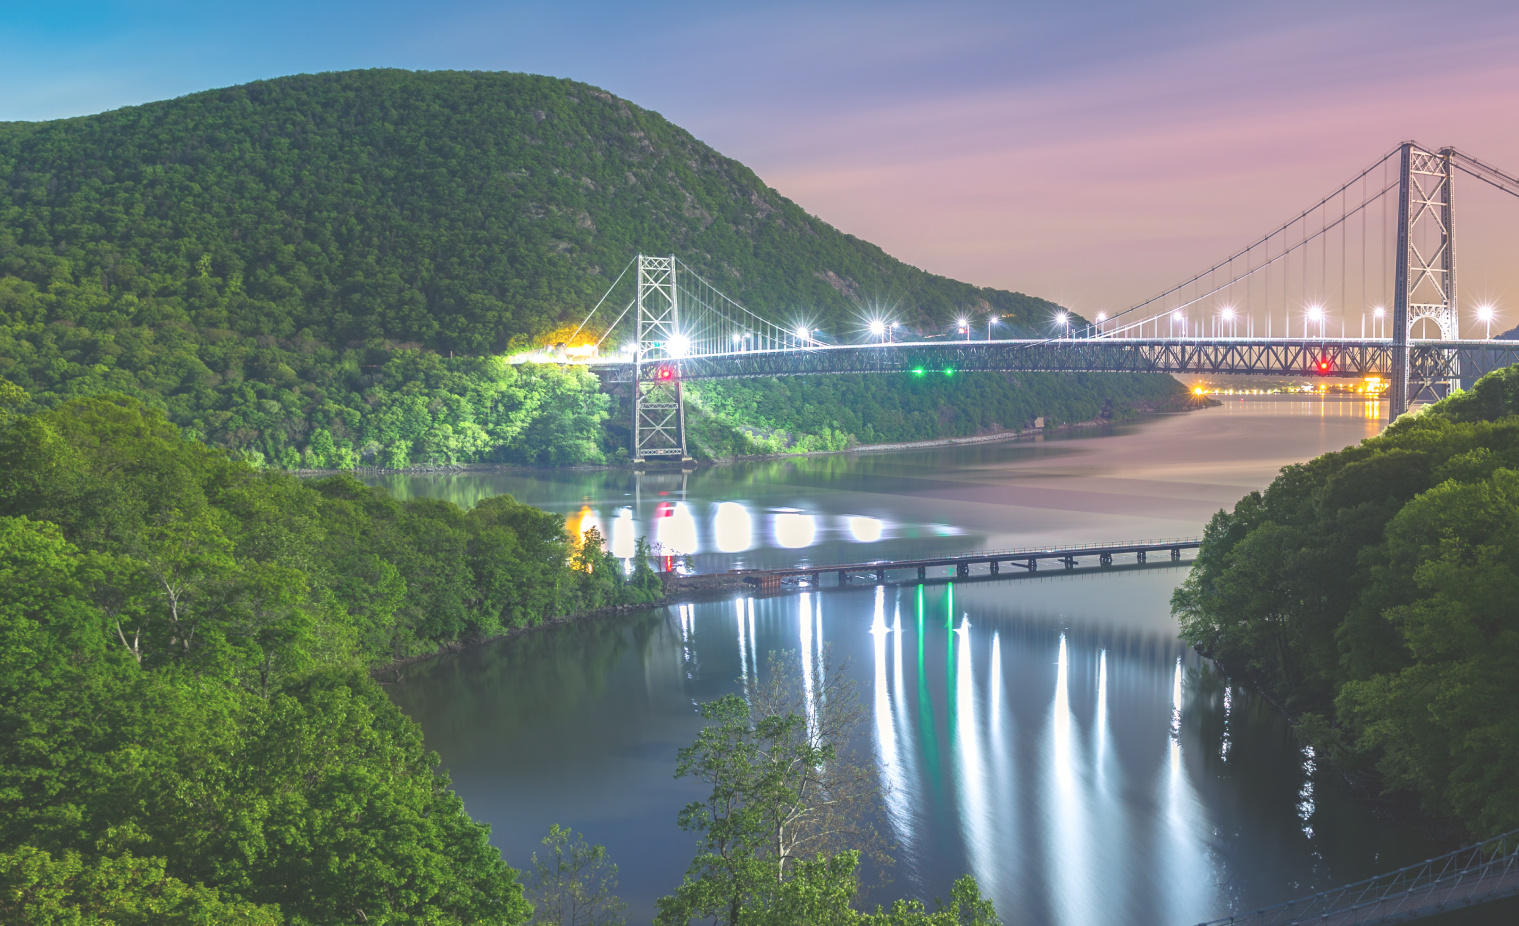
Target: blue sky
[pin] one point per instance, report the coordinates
(1090, 152)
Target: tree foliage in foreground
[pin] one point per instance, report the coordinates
(790, 813)
(187, 729)
(1372, 592)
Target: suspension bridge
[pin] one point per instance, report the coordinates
(1401, 267)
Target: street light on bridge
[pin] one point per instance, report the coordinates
(1485, 314)
(1101, 317)
(964, 324)
(1316, 315)
(1063, 322)
(1179, 317)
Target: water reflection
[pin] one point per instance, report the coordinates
(675, 529)
(865, 530)
(794, 529)
(732, 529)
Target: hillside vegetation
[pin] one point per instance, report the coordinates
(1371, 592)
(322, 269)
(188, 733)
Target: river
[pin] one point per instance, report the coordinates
(1048, 733)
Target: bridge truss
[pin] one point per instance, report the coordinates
(687, 329)
(1429, 361)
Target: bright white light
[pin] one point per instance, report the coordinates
(623, 534)
(1177, 315)
(678, 346)
(865, 530)
(1485, 312)
(1315, 312)
(1060, 318)
(1102, 316)
(732, 529)
(801, 332)
(1228, 311)
(675, 529)
(737, 338)
(1377, 312)
(793, 529)
(877, 327)
(961, 322)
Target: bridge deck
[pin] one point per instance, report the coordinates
(1027, 558)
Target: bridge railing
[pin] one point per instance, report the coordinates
(1466, 876)
(1047, 550)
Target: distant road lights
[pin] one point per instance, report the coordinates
(678, 346)
(1485, 314)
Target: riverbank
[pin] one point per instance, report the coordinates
(1189, 402)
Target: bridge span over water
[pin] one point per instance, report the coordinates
(1329, 357)
(685, 329)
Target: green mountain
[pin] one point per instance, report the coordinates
(324, 268)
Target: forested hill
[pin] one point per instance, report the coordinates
(327, 270)
(461, 211)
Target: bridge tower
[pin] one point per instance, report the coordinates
(1425, 264)
(659, 421)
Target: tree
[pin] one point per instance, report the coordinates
(573, 883)
(788, 793)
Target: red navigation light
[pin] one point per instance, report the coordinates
(1324, 366)
(666, 373)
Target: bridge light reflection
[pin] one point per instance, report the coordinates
(864, 529)
(794, 529)
(732, 528)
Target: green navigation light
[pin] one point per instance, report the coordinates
(918, 371)
(949, 371)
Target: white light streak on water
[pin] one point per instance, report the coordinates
(970, 772)
(804, 620)
(1305, 802)
(1188, 890)
(794, 530)
(623, 534)
(894, 785)
(865, 530)
(908, 755)
(1070, 883)
(732, 528)
(675, 530)
(743, 645)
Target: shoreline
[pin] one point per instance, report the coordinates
(1191, 403)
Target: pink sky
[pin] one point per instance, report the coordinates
(1091, 152)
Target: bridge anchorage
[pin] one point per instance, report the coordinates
(685, 329)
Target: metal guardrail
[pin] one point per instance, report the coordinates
(1471, 875)
(1069, 550)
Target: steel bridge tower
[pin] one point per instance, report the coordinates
(1425, 267)
(659, 421)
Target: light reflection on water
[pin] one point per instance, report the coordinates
(1049, 734)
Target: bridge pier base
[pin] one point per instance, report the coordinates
(1141, 555)
(1175, 553)
(843, 577)
(1033, 564)
(1070, 561)
(962, 570)
(995, 567)
(1105, 559)
(881, 575)
(922, 572)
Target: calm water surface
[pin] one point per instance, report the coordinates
(1047, 733)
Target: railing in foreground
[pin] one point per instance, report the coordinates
(1486, 871)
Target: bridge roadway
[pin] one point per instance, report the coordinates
(1429, 361)
(1027, 559)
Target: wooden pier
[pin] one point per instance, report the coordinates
(993, 561)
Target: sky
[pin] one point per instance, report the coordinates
(1093, 153)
